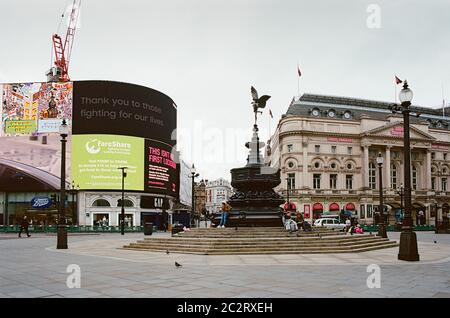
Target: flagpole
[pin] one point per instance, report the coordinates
(395, 88)
(298, 86)
(443, 100)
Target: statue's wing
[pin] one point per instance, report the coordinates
(254, 93)
(262, 101)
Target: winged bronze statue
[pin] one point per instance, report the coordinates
(258, 102)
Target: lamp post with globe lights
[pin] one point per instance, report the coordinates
(381, 225)
(62, 229)
(408, 240)
(194, 175)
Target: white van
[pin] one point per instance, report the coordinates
(329, 222)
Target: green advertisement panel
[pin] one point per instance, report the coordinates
(96, 159)
(20, 127)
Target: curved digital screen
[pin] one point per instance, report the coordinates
(112, 125)
(101, 107)
(123, 125)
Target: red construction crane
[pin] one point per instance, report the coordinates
(63, 50)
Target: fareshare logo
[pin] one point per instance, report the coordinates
(93, 146)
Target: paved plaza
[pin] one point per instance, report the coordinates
(32, 267)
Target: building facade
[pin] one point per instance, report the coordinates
(200, 196)
(217, 191)
(327, 146)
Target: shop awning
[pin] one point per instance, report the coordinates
(317, 207)
(334, 207)
(350, 207)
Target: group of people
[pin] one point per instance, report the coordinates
(353, 229)
(292, 225)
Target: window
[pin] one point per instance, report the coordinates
(445, 156)
(291, 164)
(333, 165)
(372, 176)
(393, 176)
(414, 178)
(349, 181)
(333, 181)
(315, 112)
(291, 181)
(349, 150)
(316, 180)
(101, 202)
(127, 203)
(395, 155)
(433, 155)
(444, 184)
(333, 149)
(369, 211)
(316, 165)
(349, 166)
(317, 148)
(362, 213)
(290, 148)
(433, 183)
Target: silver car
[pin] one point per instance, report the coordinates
(329, 222)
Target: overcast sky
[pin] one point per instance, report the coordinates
(206, 54)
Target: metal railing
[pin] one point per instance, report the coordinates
(73, 229)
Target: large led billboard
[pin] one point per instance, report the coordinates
(97, 159)
(102, 107)
(112, 124)
(30, 108)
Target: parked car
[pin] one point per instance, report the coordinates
(329, 222)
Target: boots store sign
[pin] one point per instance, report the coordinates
(41, 202)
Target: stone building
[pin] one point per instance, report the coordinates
(200, 196)
(217, 191)
(327, 146)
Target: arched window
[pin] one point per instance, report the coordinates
(127, 203)
(394, 176)
(414, 177)
(372, 176)
(101, 202)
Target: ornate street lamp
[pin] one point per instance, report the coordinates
(122, 203)
(381, 224)
(194, 174)
(408, 240)
(287, 192)
(401, 193)
(62, 230)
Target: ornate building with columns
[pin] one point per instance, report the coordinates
(326, 148)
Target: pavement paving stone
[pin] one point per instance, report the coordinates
(34, 268)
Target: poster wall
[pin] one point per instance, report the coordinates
(25, 102)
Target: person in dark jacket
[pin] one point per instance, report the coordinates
(24, 226)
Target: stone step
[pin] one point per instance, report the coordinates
(169, 242)
(271, 250)
(232, 245)
(290, 240)
(265, 234)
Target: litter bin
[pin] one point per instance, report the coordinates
(148, 228)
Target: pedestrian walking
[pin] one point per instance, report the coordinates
(24, 227)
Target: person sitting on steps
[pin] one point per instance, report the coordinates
(226, 208)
